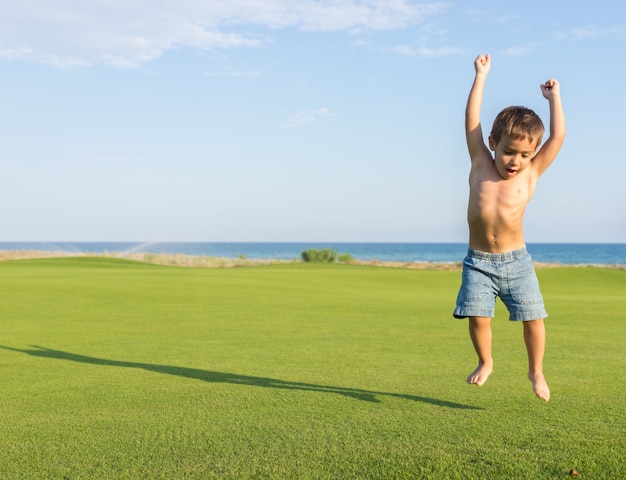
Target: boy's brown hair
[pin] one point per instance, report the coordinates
(518, 122)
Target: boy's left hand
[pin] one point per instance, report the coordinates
(551, 88)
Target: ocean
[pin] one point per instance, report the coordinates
(565, 253)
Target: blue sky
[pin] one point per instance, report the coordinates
(295, 120)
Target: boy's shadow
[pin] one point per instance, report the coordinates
(234, 379)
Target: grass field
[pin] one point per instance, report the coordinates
(117, 369)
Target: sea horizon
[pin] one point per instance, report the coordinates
(591, 253)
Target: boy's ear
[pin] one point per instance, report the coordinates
(492, 144)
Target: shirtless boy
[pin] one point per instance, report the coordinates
(501, 186)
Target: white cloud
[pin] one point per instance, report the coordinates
(404, 50)
(26, 53)
(424, 51)
(370, 14)
(129, 33)
(590, 32)
(305, 117)
(593, 32)
(516, 51)
(230, 72)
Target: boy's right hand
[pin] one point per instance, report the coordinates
(482, 64)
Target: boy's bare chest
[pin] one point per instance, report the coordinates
(489, 191)
(503, 191)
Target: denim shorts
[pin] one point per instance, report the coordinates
(510, 276)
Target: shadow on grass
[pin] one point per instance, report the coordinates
(234, 379)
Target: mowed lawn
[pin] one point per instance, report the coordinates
(124, 370)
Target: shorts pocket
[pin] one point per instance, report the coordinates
(477, 285)
(521, 265)
(524, 288)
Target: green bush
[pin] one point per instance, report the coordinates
(326, 255)
(345, 257)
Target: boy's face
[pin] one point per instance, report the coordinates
(512, 155)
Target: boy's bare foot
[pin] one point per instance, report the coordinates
(540, 386)
(481, 374)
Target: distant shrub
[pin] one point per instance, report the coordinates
(326, 255)
(345, 257)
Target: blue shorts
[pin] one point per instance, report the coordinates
(510, 276)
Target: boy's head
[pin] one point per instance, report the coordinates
(518, 123)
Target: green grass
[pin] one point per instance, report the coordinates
(116, 369)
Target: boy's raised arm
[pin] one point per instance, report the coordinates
(551, 90)
(473, 130)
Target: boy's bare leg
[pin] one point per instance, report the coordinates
(480, 333)
(535, 339)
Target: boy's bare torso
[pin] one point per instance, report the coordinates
(496, 206)
(502, 185)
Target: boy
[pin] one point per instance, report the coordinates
(501, 186)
